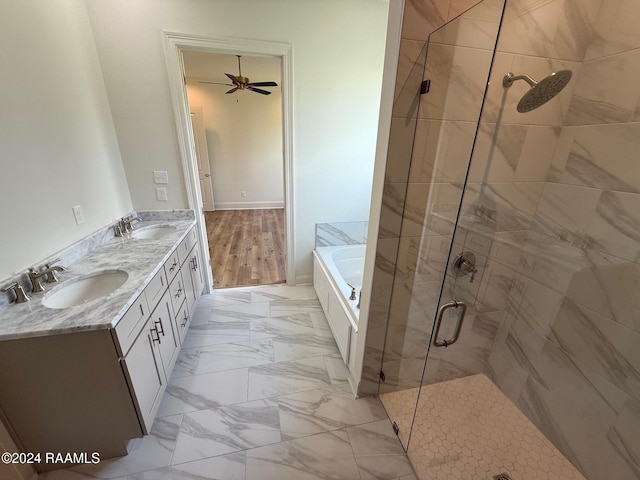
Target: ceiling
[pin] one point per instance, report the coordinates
(213, 66)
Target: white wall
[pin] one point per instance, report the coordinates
(244, 139)
(338, 51)
(57, 142)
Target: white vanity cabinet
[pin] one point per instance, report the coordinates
(95, 390)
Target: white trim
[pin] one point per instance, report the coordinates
(173, 44)
(248, 205)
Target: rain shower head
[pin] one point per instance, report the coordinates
(541, 92)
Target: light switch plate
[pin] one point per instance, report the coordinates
(78, 214)
(160, 176)
(161, 194)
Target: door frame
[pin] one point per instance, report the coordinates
(174, 43)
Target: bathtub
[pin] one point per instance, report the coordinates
(333, 269)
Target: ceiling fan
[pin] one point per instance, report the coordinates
(243, 83)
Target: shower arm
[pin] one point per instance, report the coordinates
(509, 78)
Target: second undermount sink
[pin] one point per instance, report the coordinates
(85, 289)
(153, 231)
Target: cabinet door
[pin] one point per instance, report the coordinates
(144, 370)
(197, 273)
(190, 292)
(169, 343)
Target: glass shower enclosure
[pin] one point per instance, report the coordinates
(511, 347)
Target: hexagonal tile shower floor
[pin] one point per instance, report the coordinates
(467, 429)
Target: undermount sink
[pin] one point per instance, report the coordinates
(85, 289)
(153, 231)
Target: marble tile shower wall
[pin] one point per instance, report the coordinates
(572, 326)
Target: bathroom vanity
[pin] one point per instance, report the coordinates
(90, 377)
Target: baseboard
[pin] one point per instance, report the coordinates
(248, 205)
(304, 279)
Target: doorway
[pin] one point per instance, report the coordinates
(235, 102)
(175, 45)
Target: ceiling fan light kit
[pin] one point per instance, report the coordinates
(240, 82)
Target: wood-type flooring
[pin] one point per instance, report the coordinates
(246, 247)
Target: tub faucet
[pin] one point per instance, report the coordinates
(353, 292)
(36, 277)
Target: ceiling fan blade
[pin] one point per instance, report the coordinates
(262, 84)
(217, 83)
(232, 90)
(257, 90)
(232, 77)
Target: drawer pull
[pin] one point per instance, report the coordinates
(195, 263)
(178, 293)
(141, 310)
(159, 322)
(173, 267)
(157, 337)
(186, 319)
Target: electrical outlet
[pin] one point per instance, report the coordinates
(161, 194)
(243, 194)
(78, 214)
(160, 176)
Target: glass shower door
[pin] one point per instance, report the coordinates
(457, 67)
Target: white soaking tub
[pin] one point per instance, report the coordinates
(333, 269)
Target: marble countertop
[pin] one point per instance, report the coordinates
(141, 259)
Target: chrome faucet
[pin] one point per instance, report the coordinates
(21, 296)
(36, 277)
(126, 225)
(353, 292)
(52, 276)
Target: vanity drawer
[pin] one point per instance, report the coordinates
(128, 328)
(186, 245)
(172, 266)
(156, 288)
(177, 292)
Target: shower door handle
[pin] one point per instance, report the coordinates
(443, 308)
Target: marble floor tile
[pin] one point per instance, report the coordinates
(227, 356)
(199, 392)
(217, 333)
(287, 377)
(150, 452)
(375, 438)
(289, 307)
(320, 457)
(319, 320)
(245, 311)
(186, 363)
(243, 405)
(273, 293)
(316, 411)
(386, 467)
(65, 474)
(283, 325)
(209, 433)
(226, 296)
(303, 345)
(222, 467)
